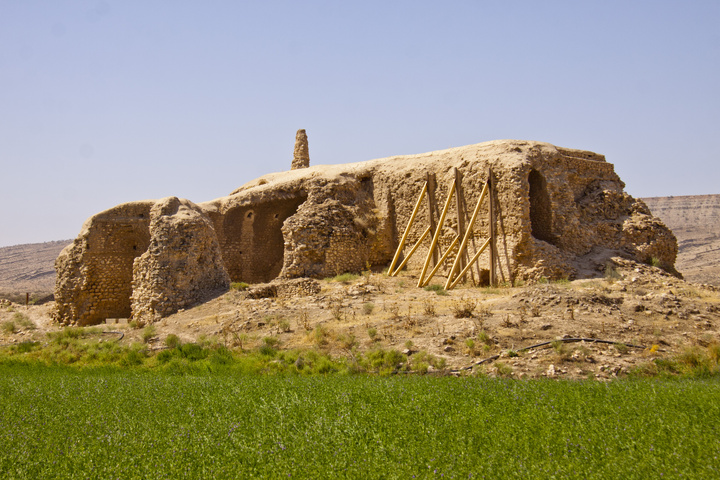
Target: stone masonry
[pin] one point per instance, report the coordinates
(301, 154)
(560, 213)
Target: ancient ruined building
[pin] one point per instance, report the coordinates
(560, 213)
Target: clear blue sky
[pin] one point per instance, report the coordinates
(103, 102)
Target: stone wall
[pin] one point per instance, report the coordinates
(560, 213)
(182, 265)
(95, 272)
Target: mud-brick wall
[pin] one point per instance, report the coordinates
(95, 272)
(251, 238)
(110, 252)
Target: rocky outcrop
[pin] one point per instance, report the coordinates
(559, 213)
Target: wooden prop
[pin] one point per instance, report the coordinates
(493, 248)
(442, 260)
(432, 207)
(412, 250)
(468, 234)
(407, 229)
(436, 237)
(467, 267)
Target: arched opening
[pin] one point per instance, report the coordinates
(540, 208)
(253, 246)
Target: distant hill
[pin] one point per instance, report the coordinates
(29, 268)
(695, 220)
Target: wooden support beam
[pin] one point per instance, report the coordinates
(438, 232)
(468, 234)
(493, 247)
(460, 211)
(432, 206)
(407, 229)
(410, 253)
(442, 259)
(473, 260)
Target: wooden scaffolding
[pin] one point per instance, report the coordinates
(461, 265)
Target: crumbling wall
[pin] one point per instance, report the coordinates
(339, 228)
(182, 265)
(559, 213)
(251, 238)
(95, 272)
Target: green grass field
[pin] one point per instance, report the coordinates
(60, 422)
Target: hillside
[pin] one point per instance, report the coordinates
(695, 220)
(29, 268)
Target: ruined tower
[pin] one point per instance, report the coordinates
(301, 155)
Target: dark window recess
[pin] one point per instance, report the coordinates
(540, 208)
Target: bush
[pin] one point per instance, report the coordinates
(172, 341)
(372, 333)
(319, 335)
(464, 307)
(8, 326)
(23, 321)
(240, 286)
(193, 352)
(149, 333)
(345, 278)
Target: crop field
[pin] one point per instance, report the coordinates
(59, 422)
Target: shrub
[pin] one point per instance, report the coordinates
(8, 326)
(23, 321)
(319, 335)
(345, 278)
(149, 333)
(368, 308)
(135, 355)
(503, 369)
(283, 325)
(463, 308)
(383, 361)
(611, 273)
(172, 341)
(193, 351)
(372, 333)
(26, 347)
(347, 341)
(484, 338)
(240, 286)
(429, 308)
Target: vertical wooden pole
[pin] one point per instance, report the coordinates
(27, 299)
(460, 213)
(432, 184)
(493, 252)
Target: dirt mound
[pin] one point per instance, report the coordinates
(642, 311)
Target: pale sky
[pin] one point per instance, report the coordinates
(104, 102)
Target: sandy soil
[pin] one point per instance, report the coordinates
(650, 312)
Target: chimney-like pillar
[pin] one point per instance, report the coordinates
(301, 155)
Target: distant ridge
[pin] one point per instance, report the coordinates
(29, 268)
(695, 220)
